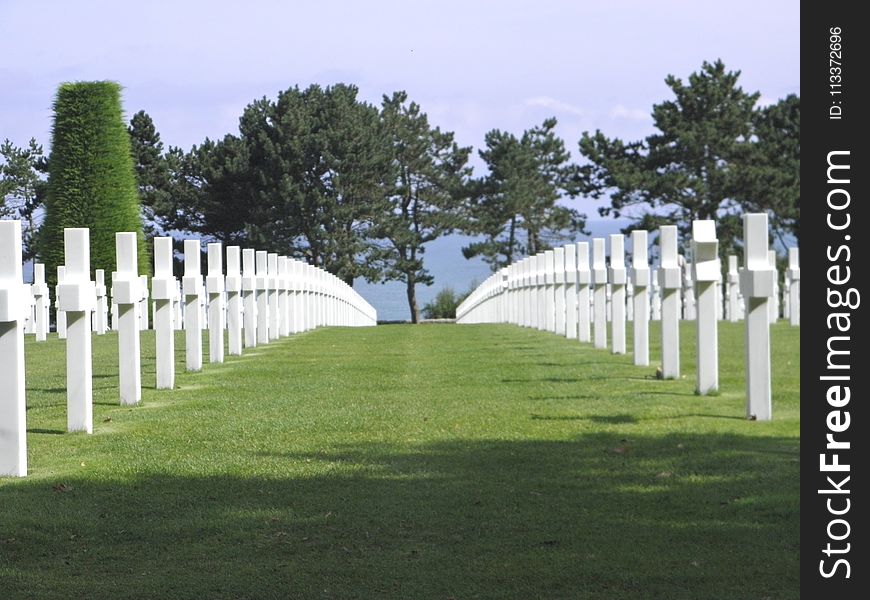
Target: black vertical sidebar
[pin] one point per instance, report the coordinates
(835, 364)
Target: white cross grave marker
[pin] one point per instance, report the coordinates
(262, 297)
(733, 290)
(100, 314)
(773, 305)
(570, 291)
(283, 295)
(40, 294)
(143, 303)
(249, 297)
(617, 276)
(164, 291)
(13, 428)
(655, 301)
(59, 315)
(214, 284)
(707, 268)
(640, 279)
(584, 279)
(274, 309)
(794, 277)
(559, 289)
(599, 294)
(670, 283)
(192, 284)
(77, 297)
(757, 284)
(127, 293)
(234, 300)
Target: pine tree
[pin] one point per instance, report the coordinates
(515, 207)
(690, 169)
(429, 183)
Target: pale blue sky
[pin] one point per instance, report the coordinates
(472, 65)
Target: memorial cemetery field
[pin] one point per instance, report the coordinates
(428, 461)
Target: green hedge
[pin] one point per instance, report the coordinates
(92, 182)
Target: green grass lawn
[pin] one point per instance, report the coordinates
(430, 461)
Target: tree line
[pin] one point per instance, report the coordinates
(359, 189)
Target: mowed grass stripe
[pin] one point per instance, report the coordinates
(434, 461)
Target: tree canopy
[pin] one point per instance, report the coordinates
(430, 176)
(693, 168)
(22, 188)
(514, 206)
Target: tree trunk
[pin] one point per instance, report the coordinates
(412, 300)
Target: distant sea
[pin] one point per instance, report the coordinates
(444, 260)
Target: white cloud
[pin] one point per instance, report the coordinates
(621, 112)
(557, 105)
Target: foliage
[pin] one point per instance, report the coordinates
(515, 206)
(429, 181)
(152, 172)
(92, 182)
(22, 188)
(691, 169)
(318, 164)
(212, 192)
(444, 305)
(772, 177)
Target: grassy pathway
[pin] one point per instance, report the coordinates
(424, 462)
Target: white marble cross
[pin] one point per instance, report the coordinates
(570, 251)
(794, 277)
(144, 319)
(40, 294)
(599, 299)
(733, 282)
(549, 291)
(100, 315)
(295, 301)
(164, 291)
(773, 305)
(757, 284)
(283, 295)
(13, 428)
(128, 294)
(640, 279)
(77, 297)
(526, 283)
(193, 292)
(707, 269)
(249, 297)
(59, 315)
(584, 295)
(214, 285)
(234, 301)
(617, 277)
(670, 283)
(263, 316)
(274, 309)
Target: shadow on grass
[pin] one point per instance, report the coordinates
(48, 431)
(674, 516)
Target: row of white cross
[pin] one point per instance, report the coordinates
(559, 291)
(259, 298)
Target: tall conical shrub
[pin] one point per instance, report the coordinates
(91, 180)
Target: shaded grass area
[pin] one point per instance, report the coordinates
(410, 462)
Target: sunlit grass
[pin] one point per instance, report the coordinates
(435, 461)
